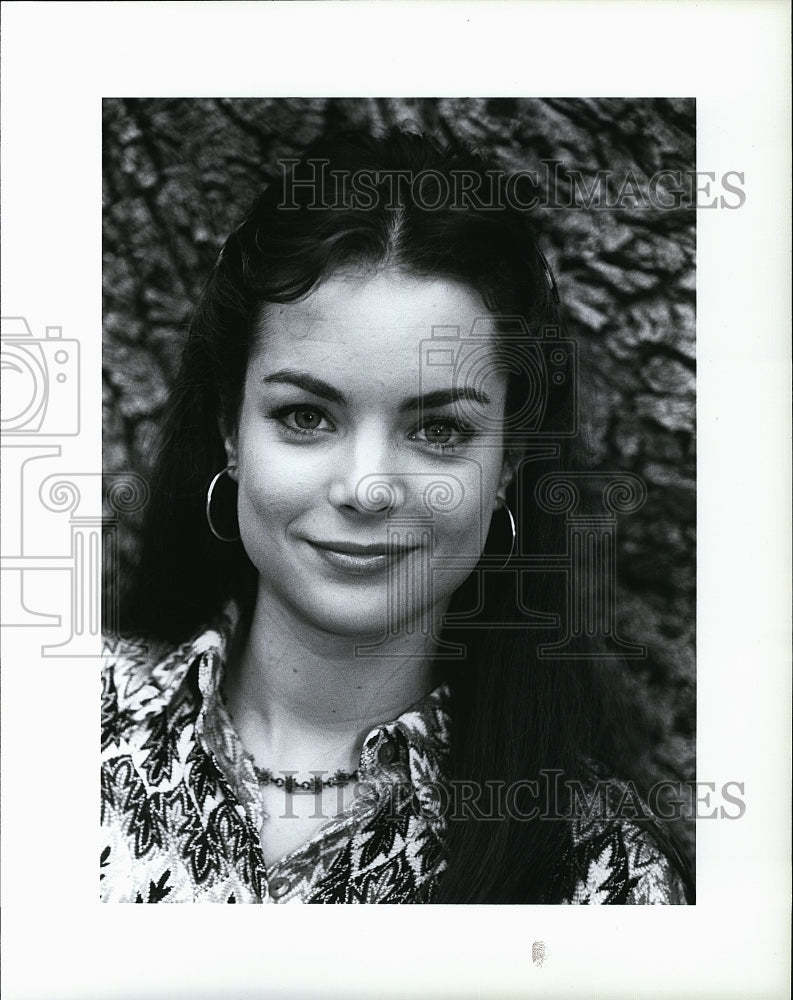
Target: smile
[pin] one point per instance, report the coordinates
(360, 560)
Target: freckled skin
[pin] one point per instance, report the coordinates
(301, 473)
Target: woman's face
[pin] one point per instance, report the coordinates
(368, 471)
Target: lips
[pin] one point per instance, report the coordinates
(352, 548)
(360, 560)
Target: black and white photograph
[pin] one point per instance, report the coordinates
(396, 499)
(387, 632)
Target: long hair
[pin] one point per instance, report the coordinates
(398, 200)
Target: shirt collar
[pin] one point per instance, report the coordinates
(413, 747)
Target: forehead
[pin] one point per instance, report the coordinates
(373, 325)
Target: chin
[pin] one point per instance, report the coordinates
(361, 623)
(364, 617)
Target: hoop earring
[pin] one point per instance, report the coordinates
(505, 507)
(210, 491)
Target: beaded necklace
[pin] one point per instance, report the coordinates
(313, 786)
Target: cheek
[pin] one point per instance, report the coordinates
(466, 526)
(274, 488)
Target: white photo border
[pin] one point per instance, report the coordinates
(58, 61)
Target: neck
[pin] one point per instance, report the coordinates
(302, 699)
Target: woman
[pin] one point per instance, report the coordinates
(338, 694)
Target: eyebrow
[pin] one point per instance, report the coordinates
(429, 400)
(302, 380)
(444, 397)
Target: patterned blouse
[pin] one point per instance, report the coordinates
(182, 810)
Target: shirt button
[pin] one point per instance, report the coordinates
(279, 887)
(387, 752)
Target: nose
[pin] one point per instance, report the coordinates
(367, 480)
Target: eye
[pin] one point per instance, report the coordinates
(438, 433)
(441, 434)
(306, 420)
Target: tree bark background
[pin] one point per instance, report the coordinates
(180, 174)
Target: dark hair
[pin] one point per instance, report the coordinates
(515, 713)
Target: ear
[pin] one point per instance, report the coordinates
(508, 469)
(230, 444)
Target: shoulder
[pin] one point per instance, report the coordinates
(622, 863)
(618, 851)
(143, 678)
(139, 677)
